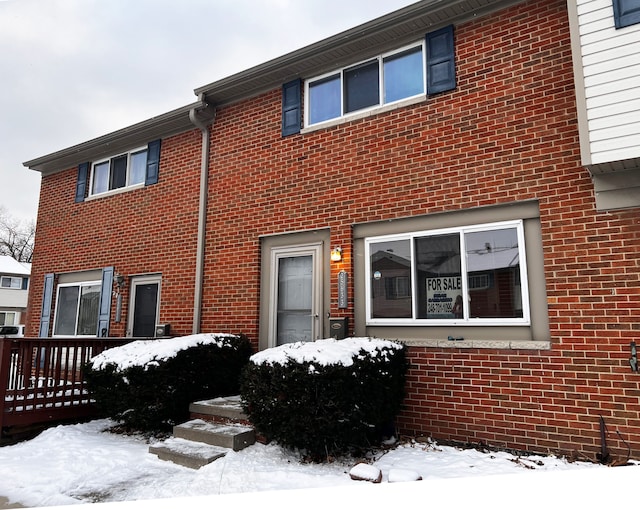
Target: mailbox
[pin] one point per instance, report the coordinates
(163, 330)
(339, 327)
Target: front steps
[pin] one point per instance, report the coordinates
(217, 427)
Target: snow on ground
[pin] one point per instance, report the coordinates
(67, 466)
(73, 464)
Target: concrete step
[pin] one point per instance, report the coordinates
(219, 409)
(226, 435)
(187, 453)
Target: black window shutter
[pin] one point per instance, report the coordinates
(441, 65)
(153, 162)
(291, 107)
(626, 12)
(104, 312)
(25, 283)
(81, 183)
(47, 298)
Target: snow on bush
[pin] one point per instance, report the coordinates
(146, 353)
(327, 352)
(148, 385)
(325, 397)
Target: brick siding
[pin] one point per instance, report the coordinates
(507, 133)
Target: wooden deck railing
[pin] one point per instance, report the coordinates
(41, 379)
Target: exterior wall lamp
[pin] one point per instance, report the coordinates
(336, 254)
(118, 279)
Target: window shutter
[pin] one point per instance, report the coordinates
(104, 313)
(153, 162)
(81, 183)
(47, 298)
(25, 283)
(441, 65)
(626, 12)
(291, 107)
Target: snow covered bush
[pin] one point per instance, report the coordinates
(326, 397)
(148, 385)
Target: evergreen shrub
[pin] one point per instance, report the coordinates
(148, 385)
(325, 398)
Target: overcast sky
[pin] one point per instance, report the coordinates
(72, 70)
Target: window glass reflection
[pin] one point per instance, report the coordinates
(391, 279)
(493, 265)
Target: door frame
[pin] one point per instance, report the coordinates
(142, 280)
(297, 242)
(277, 253)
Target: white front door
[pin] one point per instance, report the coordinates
(296, 303)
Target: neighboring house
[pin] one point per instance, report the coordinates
(14, 290)
(480, 148)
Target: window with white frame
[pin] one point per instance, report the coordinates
(118, 172)
(7, 318)
(11, 282)
(466, 275)
(381, 80)
(77, 309)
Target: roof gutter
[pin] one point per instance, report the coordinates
(202, 123)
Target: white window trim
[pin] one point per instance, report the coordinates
(11, 278)
(381, 106)
(73, 284)
(127, 187)
(16, 317)
(524, 321)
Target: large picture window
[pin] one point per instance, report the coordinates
(378, 81)
(119, 172)
(468, 275)
(77, 309)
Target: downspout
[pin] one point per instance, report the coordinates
(203, 126)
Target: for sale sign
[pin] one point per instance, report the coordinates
(444, 297)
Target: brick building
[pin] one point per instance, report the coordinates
(476, 164)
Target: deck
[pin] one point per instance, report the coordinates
(41, 379)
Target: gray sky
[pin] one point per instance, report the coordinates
(72, 70)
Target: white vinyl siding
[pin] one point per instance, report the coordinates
(610, 61)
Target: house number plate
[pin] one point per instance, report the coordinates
(342, 289)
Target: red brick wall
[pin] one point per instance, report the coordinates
(507, 133)
(148, 230)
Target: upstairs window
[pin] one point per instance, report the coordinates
(11, 282)
(469, 275)
(382, 80)
(140, 167)
(119, 172)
